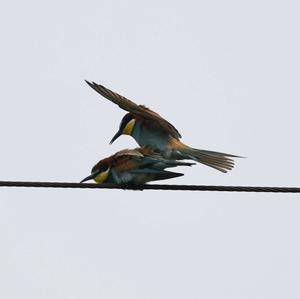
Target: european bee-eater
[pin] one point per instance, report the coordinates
(137, 167)
(149, 128)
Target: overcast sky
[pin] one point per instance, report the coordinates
(225, 73)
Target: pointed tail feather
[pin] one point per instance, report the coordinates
(216, 160)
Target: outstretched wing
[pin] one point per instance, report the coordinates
(153, 118)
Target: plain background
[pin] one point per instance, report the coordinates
(225, 73)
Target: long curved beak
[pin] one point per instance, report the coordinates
(117, 135)
(90, 177)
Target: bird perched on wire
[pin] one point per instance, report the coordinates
(149, 128)
(134, 167)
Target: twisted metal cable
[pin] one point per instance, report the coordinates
(150, 187)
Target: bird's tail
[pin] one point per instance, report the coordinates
(220, 161)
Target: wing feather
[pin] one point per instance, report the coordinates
(140, 111)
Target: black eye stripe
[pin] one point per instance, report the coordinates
(125, 120)
(99, 168)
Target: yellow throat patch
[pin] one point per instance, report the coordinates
(102, 176)
(129, 127)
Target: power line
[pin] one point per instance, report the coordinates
(150, 187)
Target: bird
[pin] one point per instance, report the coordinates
(148, 128)
(134, 167)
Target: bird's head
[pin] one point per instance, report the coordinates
(126, 126)
(100, 172)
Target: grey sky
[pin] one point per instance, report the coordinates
(225, 73)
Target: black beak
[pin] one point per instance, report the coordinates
(90, 177)
(117, 135)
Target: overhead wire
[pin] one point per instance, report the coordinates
(25, 184)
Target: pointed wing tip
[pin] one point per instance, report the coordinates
(172, 174)
(92, 83)
(89, 83)
(235, 156)
(97, 87)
